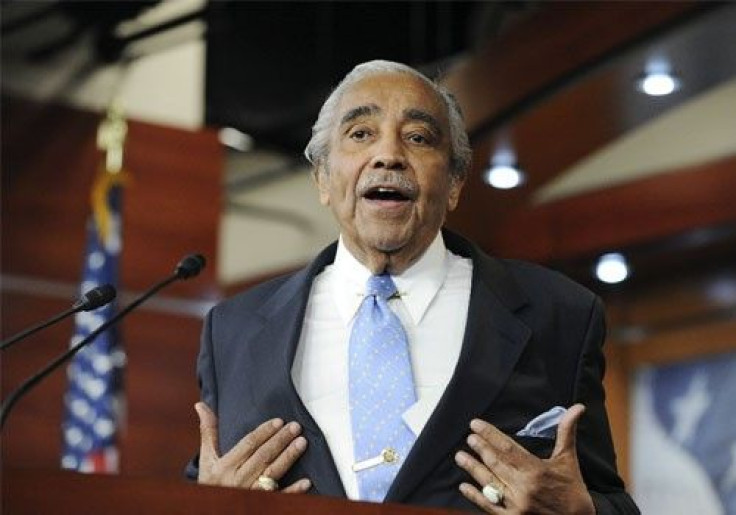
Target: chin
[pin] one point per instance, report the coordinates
(386, 241)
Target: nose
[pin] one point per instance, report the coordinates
(389, 155)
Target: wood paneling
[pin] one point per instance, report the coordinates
(620, 216)
(561, 39)
(706, 339)
(616, 383)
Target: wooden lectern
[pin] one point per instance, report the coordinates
(37, 492)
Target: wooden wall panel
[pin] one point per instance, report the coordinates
(631, 213)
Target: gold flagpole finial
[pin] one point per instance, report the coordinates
(111, 137)
(111, 140)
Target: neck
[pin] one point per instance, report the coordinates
(392, 262)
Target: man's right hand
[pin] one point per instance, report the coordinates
(269, 450)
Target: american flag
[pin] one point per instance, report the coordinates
(93, 402)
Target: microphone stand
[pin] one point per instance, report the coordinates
(93, 299)
(19, 392)
(18, 337)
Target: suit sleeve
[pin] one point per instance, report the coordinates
(207, 384)
(595, 445)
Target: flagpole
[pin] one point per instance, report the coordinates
(94, 397)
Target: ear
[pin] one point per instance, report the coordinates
(456, 186)
(322, 178)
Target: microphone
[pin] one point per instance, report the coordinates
(93, 299)
(190, 266)
(96, 298)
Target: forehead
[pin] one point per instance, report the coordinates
(393, 92)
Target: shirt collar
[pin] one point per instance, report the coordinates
(417, 285)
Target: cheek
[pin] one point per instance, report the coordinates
(343, 177)
(440, 189)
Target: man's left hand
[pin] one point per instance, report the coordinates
(528, 484)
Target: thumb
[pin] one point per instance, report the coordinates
(209, 445)
(566, 431)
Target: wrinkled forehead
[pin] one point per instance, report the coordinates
(398, 94)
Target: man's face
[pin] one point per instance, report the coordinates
(387, 177)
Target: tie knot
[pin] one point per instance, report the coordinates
(380, 286)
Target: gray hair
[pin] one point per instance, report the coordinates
(318, 147)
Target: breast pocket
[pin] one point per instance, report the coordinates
(540, 447)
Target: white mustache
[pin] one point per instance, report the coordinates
(387, 179)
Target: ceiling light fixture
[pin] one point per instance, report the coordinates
(503, 173)
(658, 80)
(612, 268)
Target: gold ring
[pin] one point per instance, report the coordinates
(493, 493)
(267, 484)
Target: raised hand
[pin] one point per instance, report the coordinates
(527, 484)
(269, 450)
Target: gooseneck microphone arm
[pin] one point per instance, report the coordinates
(93, 299)
(188, 267)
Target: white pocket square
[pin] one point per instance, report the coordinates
(544, 425)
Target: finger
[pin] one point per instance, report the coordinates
(208, 447)
(566, 431)
(298, 487)
(476, 497)
(271, 450)
(499, 452)
(251, 442)
(286, 458)
(478, 470)
(498, 440)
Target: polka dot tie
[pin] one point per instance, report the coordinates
(381, 389)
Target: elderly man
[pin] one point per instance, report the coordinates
(404, 364)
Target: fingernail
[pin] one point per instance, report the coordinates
(460, 458)
(472, 440)
(476, 424)
(300, 443)
(277, 423)
(305, 484)
(294, 428)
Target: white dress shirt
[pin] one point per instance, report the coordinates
(433, 307)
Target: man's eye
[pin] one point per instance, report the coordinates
(419, 139)
(359, 135)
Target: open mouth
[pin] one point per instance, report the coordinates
(384, 193)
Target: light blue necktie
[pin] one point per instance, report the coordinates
(381, 390)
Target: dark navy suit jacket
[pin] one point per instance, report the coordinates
(532, 341)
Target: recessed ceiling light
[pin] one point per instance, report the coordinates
(659, 84)
(503, 173)
(658, 79)
(504, 177)
(612, 268)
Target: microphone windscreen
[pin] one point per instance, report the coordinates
(190, 266)
(96, 298)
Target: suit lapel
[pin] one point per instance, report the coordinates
(494, 339)
(274, 347)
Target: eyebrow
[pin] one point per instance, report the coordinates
(357, 112)
(423, 116)
(409, 114)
